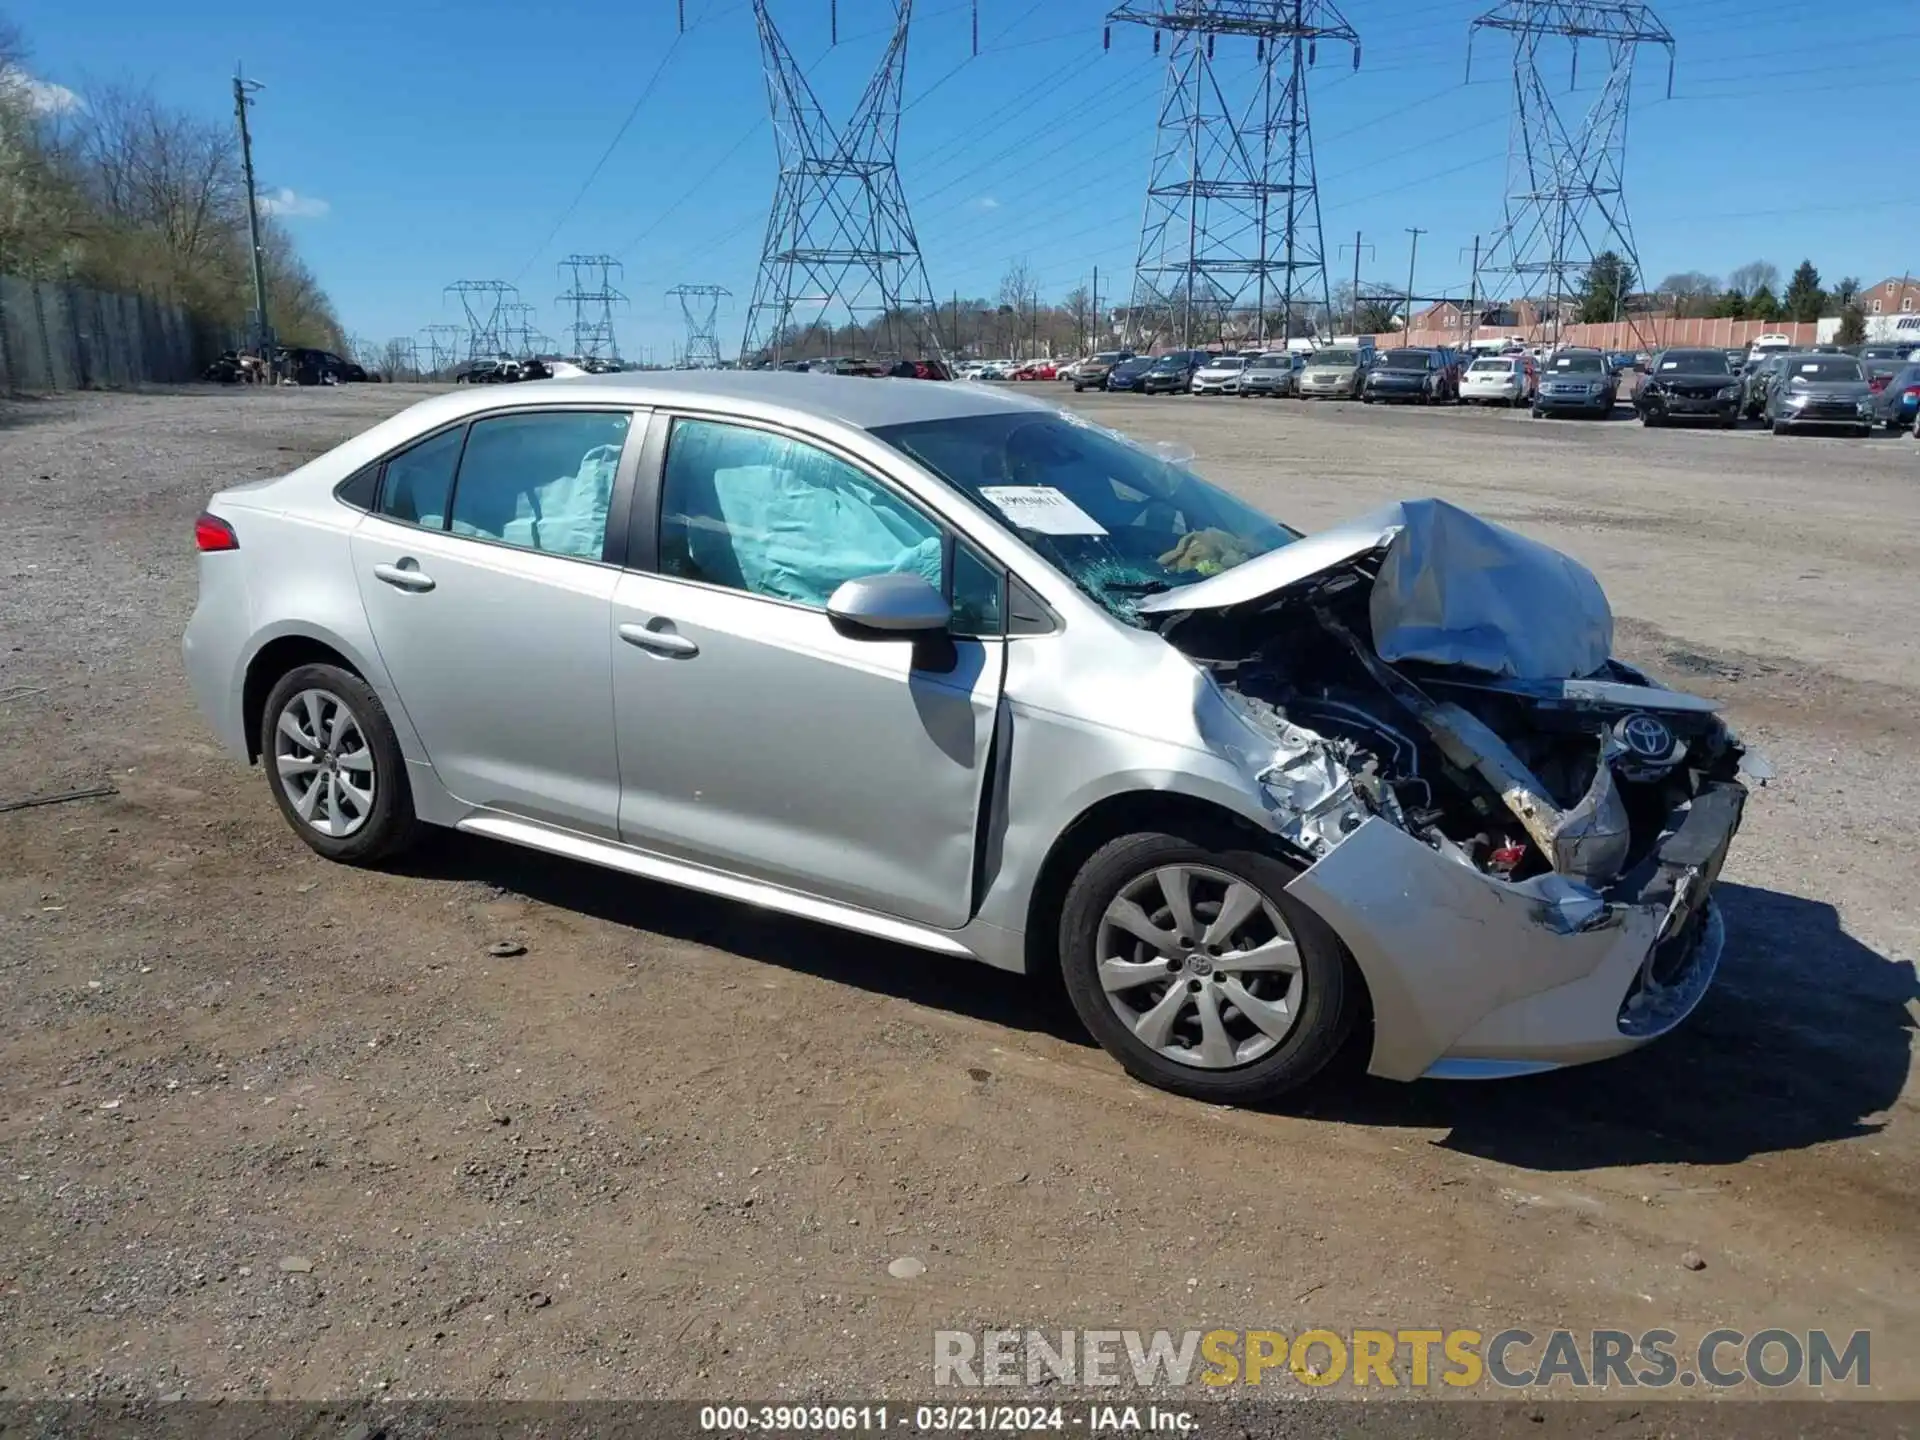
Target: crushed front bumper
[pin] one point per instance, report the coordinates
(1474, 976)
(1689, 407)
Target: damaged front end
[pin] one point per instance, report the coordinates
(1515, 834)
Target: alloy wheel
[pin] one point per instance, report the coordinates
(324, 762)
(1200, 966)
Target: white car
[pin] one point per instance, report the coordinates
(1219, 376)
(1500, 380)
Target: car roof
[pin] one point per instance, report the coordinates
(859, 401)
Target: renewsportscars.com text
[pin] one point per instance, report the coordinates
(1416, 1359)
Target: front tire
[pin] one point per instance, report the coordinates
(1779, 427)
(1253, 1005)
(334, 765)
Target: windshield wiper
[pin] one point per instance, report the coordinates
(1134, 587)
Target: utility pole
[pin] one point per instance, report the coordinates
(1093, 340)
(1406, 335)
(262, 331)
(1357, 248)
(1473, 296)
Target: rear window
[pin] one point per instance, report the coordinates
(1493, 367)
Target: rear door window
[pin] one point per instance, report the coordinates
(541, 481)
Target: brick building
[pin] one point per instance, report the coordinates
(1899, 295)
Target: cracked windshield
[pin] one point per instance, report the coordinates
(1122, 522)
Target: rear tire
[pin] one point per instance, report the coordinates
(1297, 973)
(334, 765)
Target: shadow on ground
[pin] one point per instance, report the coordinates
(879, 966)
(1805, 1038)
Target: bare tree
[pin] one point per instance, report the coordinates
(1691, 292)
(1078, 311)
(1753, 277)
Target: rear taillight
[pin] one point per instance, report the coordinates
(1912, 392)
(1878, 383)
(210, 532)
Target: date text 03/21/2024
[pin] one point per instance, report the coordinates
(944, 1419)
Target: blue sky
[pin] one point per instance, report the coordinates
(422, 141)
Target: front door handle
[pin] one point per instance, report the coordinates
(661, 642)
(404, 576)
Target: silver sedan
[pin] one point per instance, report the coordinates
(960, 670)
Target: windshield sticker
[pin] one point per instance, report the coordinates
(1669, 364)
(1813, 369)
(1041, 509)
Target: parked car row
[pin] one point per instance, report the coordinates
(290, 365)
(1771, 381)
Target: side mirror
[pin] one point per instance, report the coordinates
(888, 607)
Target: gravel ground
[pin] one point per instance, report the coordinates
(270, 1127)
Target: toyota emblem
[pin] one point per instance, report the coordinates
(1647, 736)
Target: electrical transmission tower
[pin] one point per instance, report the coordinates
(1566, 203)
(444, 343)
(1232, 218)
(516, 327)
(590, 290)
(840, 253)
(485, 303)
(700, 304)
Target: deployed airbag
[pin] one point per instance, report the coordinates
(1454, 589)
(798, 533)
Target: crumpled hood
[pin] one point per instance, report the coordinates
(1451, 589)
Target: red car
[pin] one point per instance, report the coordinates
(1037, 370)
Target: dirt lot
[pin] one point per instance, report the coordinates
(271, 1127)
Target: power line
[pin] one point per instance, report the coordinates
(646, 93)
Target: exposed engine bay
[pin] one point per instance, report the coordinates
(1522, 779)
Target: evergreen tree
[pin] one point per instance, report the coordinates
(1604, 290)
(1805, 299)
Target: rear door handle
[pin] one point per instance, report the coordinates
(404, 576)
(661, 642)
